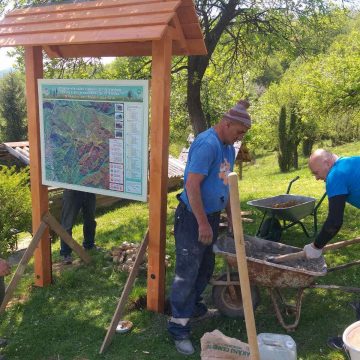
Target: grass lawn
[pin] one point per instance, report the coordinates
(68, 320)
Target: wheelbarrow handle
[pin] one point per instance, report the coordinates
(291, 182)
(301, 254)
(341, 244)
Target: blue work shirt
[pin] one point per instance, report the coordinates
(208, 156)
(344, 179)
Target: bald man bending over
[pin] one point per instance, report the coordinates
(342, 178)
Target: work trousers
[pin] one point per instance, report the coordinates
(73, 202)
(193, 270)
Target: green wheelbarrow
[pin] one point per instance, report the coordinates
(281, 212)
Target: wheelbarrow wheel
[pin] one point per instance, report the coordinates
(228, 300)
(270, 229)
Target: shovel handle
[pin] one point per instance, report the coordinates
(301, 254)
(287, 257)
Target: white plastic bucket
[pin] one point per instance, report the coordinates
(351, 339)
(276, 347)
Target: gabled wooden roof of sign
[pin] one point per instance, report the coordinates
(104, 27)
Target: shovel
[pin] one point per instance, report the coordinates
(301, 254)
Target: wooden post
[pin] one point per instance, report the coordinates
(242, 266)
(39, 193)
(22, 265)
(159, 153)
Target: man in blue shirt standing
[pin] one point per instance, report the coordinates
(342, 178)
(206, 194)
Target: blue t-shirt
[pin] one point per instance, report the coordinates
(210, 157)
(344, 179)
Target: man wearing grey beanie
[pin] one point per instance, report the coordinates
(206, 193)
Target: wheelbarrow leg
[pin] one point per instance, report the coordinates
(259, 228)
(300, 294)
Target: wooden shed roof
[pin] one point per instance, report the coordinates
(104, 27)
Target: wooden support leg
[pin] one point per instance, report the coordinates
(55, 225)
(22, 265)
(125, 294)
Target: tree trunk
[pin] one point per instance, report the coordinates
(196, 69)
(196, 113)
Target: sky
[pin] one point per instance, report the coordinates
(5, 61)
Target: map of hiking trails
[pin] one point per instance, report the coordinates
(94, 136)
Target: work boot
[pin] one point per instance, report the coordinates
(184, 347)
(336, 343)
(199, 310)
(67, 260)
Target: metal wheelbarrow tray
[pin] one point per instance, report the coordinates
(299, 274)
(286, 207)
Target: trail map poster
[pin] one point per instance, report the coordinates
(94, 136)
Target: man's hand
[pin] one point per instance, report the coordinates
(4, 267)
(205, 233)
(312, 252)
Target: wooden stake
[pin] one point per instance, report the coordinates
(125, 294)
(22, 265)
(242, 266)
(55, 225)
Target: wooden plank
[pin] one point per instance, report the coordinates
(22, 265)
(54, 224)
(242, 266)
(85, 36)
(103, 23)
(187, 14)
(52, 51)
(179, 33)
(196, 47)
(188, 3)
(88, 5)
(16, 143)
(39, 193)
(125, 294)
(192, 31)
(168, 7)
(160, 113)
(98, 50)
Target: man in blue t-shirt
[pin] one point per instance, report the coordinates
(206, 194)
(341, 176)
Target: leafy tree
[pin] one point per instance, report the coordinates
(15, 206)
(13, 108)
(239, 28)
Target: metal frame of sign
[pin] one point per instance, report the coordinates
(94, 136)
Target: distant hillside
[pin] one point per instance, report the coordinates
(3, 72)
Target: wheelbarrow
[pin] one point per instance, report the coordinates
(298, 274)
(290, 209)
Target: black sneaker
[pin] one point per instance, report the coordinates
(67, 259)
(336, 343)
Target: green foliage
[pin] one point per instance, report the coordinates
(15, 206)
(325, 89)
(13, 108)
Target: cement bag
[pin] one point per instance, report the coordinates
(215, 345)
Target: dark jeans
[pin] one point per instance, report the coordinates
(73, 201)
(193, 270)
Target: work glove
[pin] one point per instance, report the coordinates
(312, 252)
